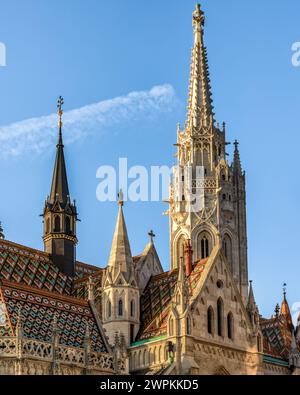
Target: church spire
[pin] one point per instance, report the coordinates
(60, 188)
(251, 298)
(200, 105)
(285, 310)
(60, 214)
(237, 167)
(120, 259)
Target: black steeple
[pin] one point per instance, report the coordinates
(60, 214)
(60, 188)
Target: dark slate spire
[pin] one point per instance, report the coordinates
(60, 188)
(60, 214)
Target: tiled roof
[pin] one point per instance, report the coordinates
(156, 300)
(84, 269)
(31, 267)
(39, 307)
(277, 337)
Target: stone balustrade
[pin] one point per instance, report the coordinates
(30, 356)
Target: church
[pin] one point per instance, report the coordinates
(59, 316)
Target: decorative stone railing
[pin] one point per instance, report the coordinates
(30, 349)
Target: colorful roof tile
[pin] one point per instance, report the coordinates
(38, 309)
(32, 268)
(157, 297)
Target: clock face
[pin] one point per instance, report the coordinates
(3, 318)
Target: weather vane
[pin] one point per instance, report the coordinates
(60, 103)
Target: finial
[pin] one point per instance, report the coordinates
(152, 235)
(198, 16)
(60, 103)
(236, 144)
(60, 112)
(121, 198)
(91, 295)
(284, 290)
(2, 237)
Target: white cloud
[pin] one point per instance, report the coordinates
(37, 134)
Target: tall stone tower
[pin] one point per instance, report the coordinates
(60, 215)
(121, 295)
(207, 196)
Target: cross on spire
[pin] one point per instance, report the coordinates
(284, 289)
(152, 235)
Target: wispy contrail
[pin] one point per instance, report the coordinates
(36, 134)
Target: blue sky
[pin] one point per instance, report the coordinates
(95, 50)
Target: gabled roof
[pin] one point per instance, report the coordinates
(38, 309)
(157, 297)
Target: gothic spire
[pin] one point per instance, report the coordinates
(200, 105)
(251, 298)
(237, 167)
(120, 255)
(285, 310)
(59, 188)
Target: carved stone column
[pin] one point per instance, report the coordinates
(55, 369)
(87, 350)
(19, 345)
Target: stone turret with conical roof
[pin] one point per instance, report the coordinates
(120, 259)
(121, 294)
(60, 214)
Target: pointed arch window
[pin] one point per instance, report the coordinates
(204, 247)
(57, 224)
(220, 317)
(259, 343)
(48, 225)
(210, 320)
(120, 308)
(180, 249)
(108, 306)
(188, 326)
(68, 225)
(171, 327)
(230, 326)
(204, 244)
